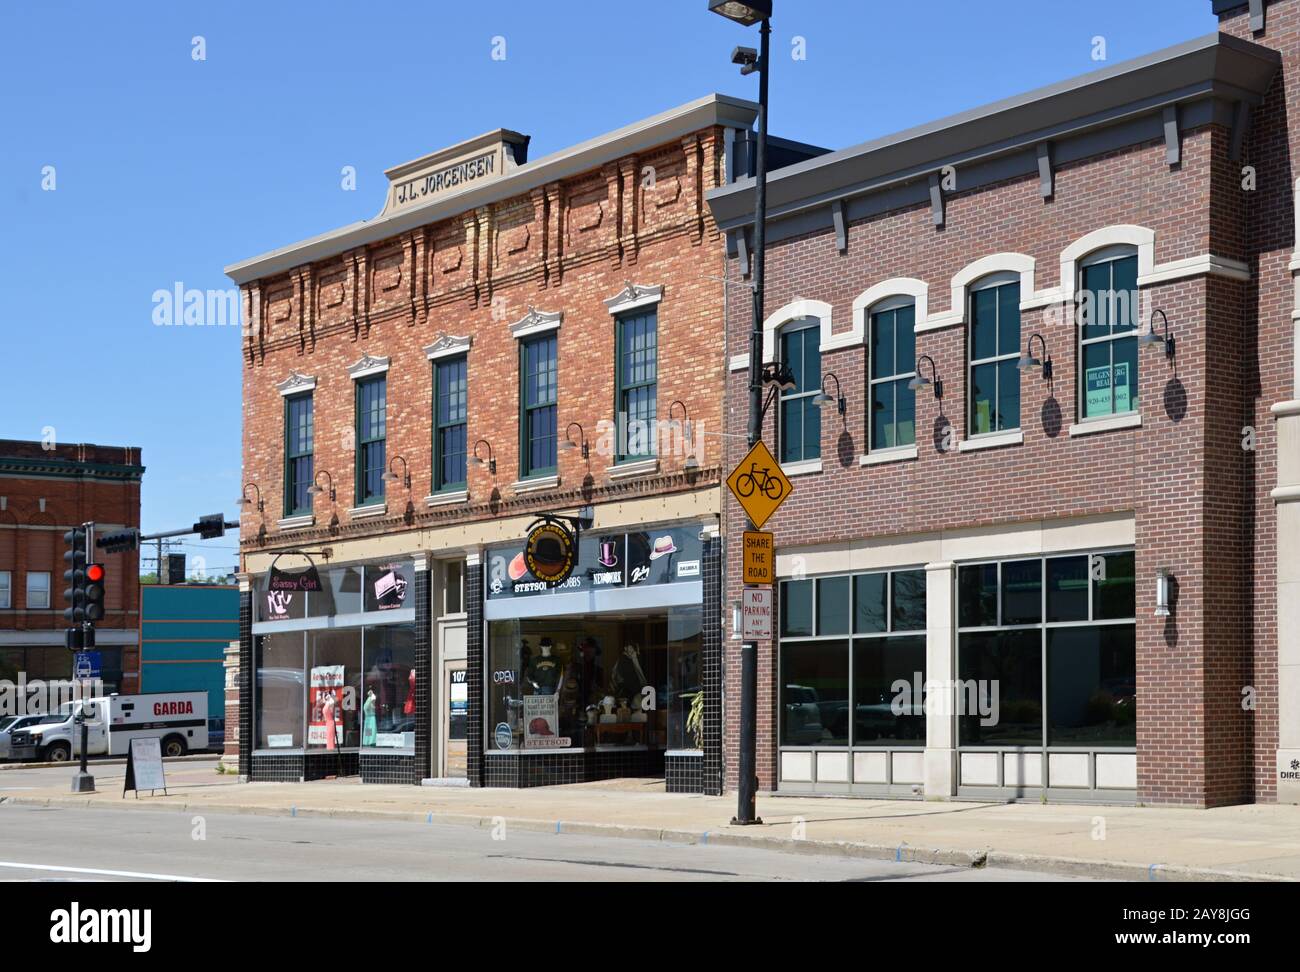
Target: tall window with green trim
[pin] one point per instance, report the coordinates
(450, 399)
(800, 431)
(637, 379)
(1108, 337)
(994, 356)
(892, 366)
(372, 430)
(299, 462)
(537, 420)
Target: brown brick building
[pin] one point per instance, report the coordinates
(506, 339)
(46, 490)
(997, 531)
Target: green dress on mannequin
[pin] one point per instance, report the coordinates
(368, 719)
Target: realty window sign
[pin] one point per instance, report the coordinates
(756, 614)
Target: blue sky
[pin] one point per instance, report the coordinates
(168, 168)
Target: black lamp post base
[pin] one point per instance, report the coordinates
(737, 822)
(83, 783)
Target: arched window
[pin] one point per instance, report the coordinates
(993, 351)
(891, 364)
(1108, 314)
(799, 422)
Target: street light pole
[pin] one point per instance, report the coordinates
(749, 12)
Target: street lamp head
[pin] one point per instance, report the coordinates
(744, 56)
(746, 12)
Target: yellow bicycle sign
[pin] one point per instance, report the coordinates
(759, 485)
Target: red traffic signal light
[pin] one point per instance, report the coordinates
(95, 573)
(94, 592)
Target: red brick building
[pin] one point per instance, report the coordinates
(46, 490)
(1085, 569)
(506, 339)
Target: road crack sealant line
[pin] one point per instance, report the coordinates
(901, 853)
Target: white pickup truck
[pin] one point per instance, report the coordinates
(179, 720)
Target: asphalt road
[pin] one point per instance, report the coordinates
(68, 844)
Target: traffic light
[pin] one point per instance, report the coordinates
(75, 575)
(211, 526)
(119, 542)
(94, 593)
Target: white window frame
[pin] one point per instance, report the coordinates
(879, 307)
(31, 575)
(6, 590)
(999, 279)
(1107, 254)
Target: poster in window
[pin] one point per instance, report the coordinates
(541, 723)
(1097, 396)
(325, 699)
(1122, 401)
(386, 587)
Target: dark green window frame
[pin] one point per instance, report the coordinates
(994, 355)
(299, 459)
(538, 384)
(891, 364)
(371, 433)
(450, 423)
(636, 378)
(799, 418)
(1108, 335)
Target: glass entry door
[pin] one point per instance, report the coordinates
(456, 692)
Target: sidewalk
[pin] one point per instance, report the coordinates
(1235, 843)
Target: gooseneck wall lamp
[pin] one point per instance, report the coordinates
(568, 445)
(823, 397)
(1151, 339)
(244, 502)
(1028, 362)
(919, 381)
(316, 489)
(392, 477)
(477, 460)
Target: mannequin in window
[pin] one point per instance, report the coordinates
(544, 673)
(368, 733)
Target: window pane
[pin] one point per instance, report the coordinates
(815, 693)
(869, 603)
(833, 605)
(1125, 352)
(906, 340)
(1114, 594)
(796, 607)
(977, 596)
(1067, 589)
(1009, 319)
(1124, 281)
(983, 383)
(1095, 302)
(792, 429)
(1096, 379)
(908, 600)
(812, 430)
(983, 325)
(1092, 686)
(905, 400)
(1022, 592)
(281, 689)
(1008, 410)
(882, 416)
(888, 691)
(333, 689)
(1003, 667)
(882, 345)
(811, 377)
(388, 702)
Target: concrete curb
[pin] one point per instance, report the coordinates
(116, 761)
(903, 853)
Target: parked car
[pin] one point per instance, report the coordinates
(217, 734)
(10, 724)
(803, 717)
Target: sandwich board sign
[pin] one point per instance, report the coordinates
(144, 767)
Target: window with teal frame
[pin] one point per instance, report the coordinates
(450, 400)
(299, 462)
(637, 377)
(800, 420)
(537, 419)
(891, 365)
(1108, 346)
(372, 430)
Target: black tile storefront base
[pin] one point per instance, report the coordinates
(684, 774)
(383, 768)
(317, 766)
(555, 769)
(276, 769)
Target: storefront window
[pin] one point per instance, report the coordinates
(869, 691)
(281, 690)
(1003, 647)
(389, 687)
(333, 689)
(595, 682)
(340, 593)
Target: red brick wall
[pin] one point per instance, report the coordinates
(1180, 473)
(567, 247)
(1267, 350)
